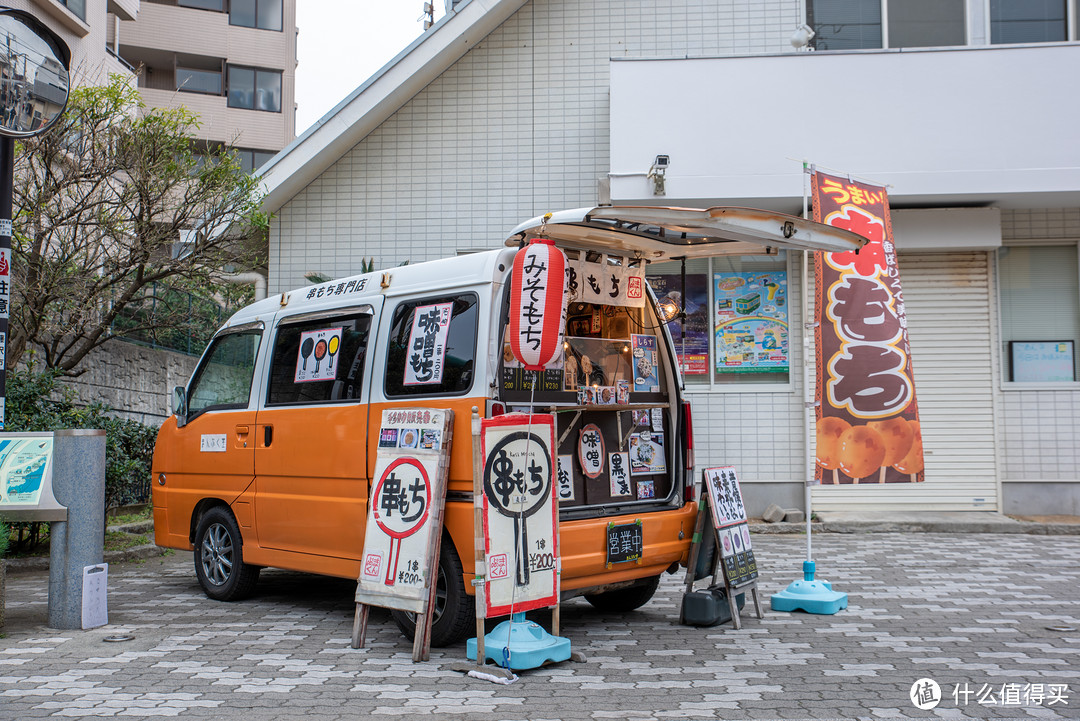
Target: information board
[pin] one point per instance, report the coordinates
(520, 515)
(404, 522)
(26, 478)
(732, 529)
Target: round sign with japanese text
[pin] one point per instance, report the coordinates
(400, 506)
(520, 525)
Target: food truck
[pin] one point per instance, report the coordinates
(268, 458)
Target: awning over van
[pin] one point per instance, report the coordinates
(658, 233)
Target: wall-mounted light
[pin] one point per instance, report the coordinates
(800, 39)
(656, 173)
(668, 309)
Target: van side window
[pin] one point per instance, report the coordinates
(425, 356)
(223, 381)
(319, 361)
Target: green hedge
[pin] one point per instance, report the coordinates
(37, 402)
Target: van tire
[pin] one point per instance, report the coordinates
(219, 557)
(625, 599)
(455, 610)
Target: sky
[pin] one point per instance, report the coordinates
(341, 43)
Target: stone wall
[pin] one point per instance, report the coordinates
(132, 379)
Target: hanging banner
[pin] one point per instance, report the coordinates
(427, 344)
(537, 304)
(867, 415)
(608, 282)
(405, 513)
(521, 539)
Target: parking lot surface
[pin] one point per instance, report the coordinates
(985, 617)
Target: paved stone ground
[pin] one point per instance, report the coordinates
(969, 611)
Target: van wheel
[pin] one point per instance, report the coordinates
(455, 611)
(625, 599)
(219, 558)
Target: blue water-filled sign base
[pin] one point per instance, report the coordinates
(520, 644)
(810, 595)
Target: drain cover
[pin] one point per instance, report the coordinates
(117, 639)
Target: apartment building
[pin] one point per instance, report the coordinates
(86, 26)
(507, 109)
(232, 62)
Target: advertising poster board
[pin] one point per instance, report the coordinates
(315, 357)
(692, 338)
(427, 344)
(404, 521)
(751, 312)
(520, 514)
(868, 426)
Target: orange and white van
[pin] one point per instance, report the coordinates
(255, 469)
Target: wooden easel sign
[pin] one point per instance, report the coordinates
(726, 517)
(732, 529)
(405, 519)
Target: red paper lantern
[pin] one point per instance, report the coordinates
(537, 303)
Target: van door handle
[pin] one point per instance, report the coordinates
(268, 435)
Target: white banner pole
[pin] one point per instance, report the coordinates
(808, 399)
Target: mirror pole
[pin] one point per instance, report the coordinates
(7, 189)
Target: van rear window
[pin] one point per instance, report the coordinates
(319, 361)
(432, 347)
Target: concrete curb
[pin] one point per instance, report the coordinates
(41, 563)
(1012, 527)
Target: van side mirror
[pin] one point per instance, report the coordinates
(178, 405)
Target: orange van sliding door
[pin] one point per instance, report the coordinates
(310, 463)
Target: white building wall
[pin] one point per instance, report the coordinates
(518, 127)
(1040, 429)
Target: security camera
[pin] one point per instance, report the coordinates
(662, 161)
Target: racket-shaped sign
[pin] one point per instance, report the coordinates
(520, 513)
(315, 346)
(400, 506)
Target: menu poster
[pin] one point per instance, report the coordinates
(645, 366)
(729, 519)
(692, 338)
(751, 314)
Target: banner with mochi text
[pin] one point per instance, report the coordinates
(867, 415)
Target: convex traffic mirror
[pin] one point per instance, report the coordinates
(34, 79)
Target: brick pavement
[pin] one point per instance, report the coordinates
(968, 611)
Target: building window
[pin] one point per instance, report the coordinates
(76, 6)
(190, 80)
(218, 5)
(1027, 21)
(735, 330)
(252, 160)
(857, 24)
(262, 14)
(255, 89)
(1039, 289)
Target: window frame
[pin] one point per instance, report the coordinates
(1004, 383)
(181, 89)
(255, 87)
(448, 296)
(256, 26)
(327, 318)
(713, 386)
(256, 328)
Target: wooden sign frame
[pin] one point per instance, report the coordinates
(419, 457)
(718, 519)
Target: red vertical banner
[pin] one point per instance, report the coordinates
(867, 416)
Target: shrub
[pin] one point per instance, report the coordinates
(36, 402)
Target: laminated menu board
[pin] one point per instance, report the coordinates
(520, 514)
(404, 521)
(732, 529)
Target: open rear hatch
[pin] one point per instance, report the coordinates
(654, 233)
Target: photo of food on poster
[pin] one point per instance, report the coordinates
(751, 314)
(646, 375)
(691, 340)
(647, 453)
